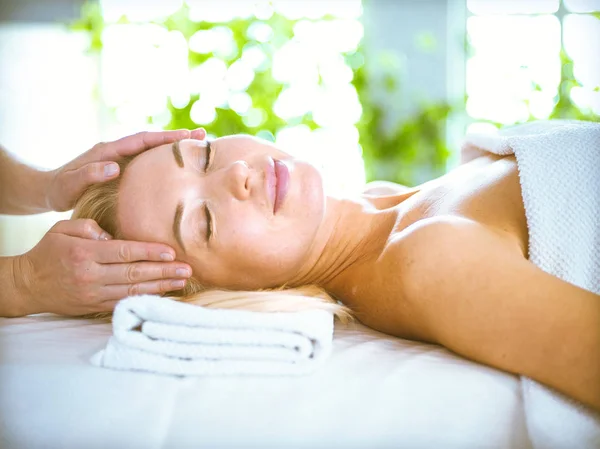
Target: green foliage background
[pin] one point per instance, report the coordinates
(398, 154)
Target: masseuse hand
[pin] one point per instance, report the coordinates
(67, 183)
(78, 269)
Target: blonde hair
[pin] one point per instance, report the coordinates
(99, 202)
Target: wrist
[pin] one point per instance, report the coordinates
(24, 188)
(46, 179)
(20, 303)
(37, 192)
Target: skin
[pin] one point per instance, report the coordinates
(445, 262)
(77, 268)
(251, 247)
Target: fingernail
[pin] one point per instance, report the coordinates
(110, 170)
(177, 284)
(182, 272)
(105, 236)
(168, 257)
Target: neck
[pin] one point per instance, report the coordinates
(354, 231)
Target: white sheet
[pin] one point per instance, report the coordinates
(375, 391)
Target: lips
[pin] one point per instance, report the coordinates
(278, 179)
(282, 176)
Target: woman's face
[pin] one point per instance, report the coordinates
(241, 212)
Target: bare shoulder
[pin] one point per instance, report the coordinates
(449, 250)
(465, 285)
(470, 152)
(440, 257)
(476, 294)
(417, 263)
(449, 239)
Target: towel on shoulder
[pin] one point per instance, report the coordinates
(161, 335)
(559, 172)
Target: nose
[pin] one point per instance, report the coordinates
(237, 178)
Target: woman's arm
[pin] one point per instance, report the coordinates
(479, 298)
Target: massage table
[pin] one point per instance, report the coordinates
(374, 391)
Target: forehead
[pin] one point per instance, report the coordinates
(145, 194)
(157, 158)
(240, 142)
(150, 185)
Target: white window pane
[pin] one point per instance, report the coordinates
(222, 11)
(586, 99)
(528, 36)
(582, 44)
(481, 128)
(138, 10)
(295, 9)
(484, 7)
(128, 83)
(583, 5)
(512, 75)
(498, 109)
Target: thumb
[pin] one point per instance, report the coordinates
(76, 181)
(96, 172)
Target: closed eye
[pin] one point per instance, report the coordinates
(209, 154)
(209, 224)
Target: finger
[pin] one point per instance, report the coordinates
(137, 143)
(84, 228)
(78, 180)
(124, 251)
(116, 292)
(132, 273)
(198, 134)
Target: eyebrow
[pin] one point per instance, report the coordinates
(177, 224)
(179, 208)
(177, 154)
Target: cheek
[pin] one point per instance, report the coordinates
(257, 244)
(249, 233)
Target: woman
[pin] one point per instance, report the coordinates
(445, 262)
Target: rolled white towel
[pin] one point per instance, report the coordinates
(165, 336)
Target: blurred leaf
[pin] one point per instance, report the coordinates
(565, 108)
(92, 22)
(426, 41)
(410, 152)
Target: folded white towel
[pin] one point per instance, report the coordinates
(162, 335)
(559, 171)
